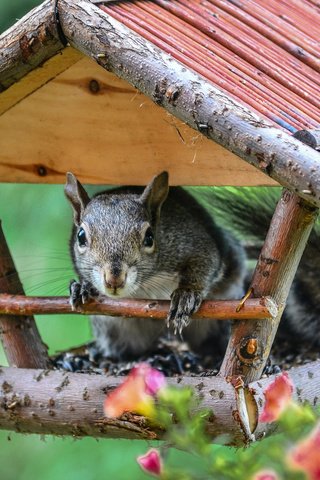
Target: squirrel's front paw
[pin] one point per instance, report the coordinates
(80, 293)
(184, 302)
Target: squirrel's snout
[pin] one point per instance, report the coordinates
(113, 282)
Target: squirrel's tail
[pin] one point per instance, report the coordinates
(248, 212)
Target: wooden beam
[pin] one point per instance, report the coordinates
(86, 116)
(289, 230)
(157, 309)
(62, 403)
(19, 335)
(191, 98)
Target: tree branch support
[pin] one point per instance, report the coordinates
(29, 43)
(19, 335)
(250, 342)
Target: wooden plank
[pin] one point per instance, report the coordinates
(38, 77)
(90, 122)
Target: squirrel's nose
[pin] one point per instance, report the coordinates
(115, 281)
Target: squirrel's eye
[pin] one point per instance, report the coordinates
(82, 239)
(148, 238)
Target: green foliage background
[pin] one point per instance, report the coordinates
(12, 10)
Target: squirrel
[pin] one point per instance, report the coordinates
(249, 211)
(151, 243)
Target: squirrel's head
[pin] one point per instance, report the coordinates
(114, 241)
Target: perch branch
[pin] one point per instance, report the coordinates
(19, 335)
(250, 342)
(63, 403)
(158, 309)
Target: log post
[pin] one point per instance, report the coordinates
(250, 342)
(64, 403)
(29, 43)
(19, 335)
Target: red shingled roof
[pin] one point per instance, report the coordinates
(263, 53)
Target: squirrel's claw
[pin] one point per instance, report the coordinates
(80, 293)
(184, 303)
(74, 291)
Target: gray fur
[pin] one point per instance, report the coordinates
(192, 259)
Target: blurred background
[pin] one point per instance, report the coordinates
(11, 11)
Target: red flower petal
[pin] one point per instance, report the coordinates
(151, 462)
(136, 392)
(126, 397)
(154, 380)
(266, 475)
(277, 396)
(305, 455)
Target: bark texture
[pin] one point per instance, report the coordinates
(220, 309)
(19, 335)
(61, 403)
(28, 43)
(250, 342)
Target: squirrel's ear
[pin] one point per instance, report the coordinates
(155, 194)
(77, 196)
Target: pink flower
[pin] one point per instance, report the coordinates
(154, 380)
(305, 455)
(151, 462)
(136, 392)
(277, 397)
(266, 475)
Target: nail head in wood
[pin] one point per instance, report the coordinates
(309, 137)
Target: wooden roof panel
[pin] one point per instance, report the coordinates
(263, 54)
(90, 122)
(253, 117)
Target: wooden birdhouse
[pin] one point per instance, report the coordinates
(215, 92)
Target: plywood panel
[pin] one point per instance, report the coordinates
(87, 121)
(38, 77)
